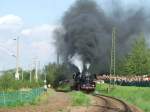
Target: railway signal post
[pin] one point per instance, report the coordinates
(113, 58)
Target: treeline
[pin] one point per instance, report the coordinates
(52, 72)
(8, 82)
(137, 62)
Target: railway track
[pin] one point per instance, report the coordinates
(111, 104)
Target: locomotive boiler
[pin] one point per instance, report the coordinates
(84, 81)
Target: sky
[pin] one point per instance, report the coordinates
(33, 21)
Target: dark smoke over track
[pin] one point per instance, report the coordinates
(87, 28)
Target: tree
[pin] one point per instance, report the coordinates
(49, 71)
(137, 62)
(55, 73)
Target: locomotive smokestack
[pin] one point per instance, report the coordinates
(87, 65)
(77, 61)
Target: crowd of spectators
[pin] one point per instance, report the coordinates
(140, 81)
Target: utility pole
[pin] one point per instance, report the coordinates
(36, 72)
(35, 61)
(57, 58)
(17, 60)
(22, 74)
(113, 56)
(30, 75)
(30, 71)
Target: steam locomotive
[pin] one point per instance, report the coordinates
(84, 81)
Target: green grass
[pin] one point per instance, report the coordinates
(139, 96)
(80, 99)
(64, 87)
(43, 97)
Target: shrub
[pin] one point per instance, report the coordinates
(8, 83)
(56, 73)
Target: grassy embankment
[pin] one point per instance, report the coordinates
(139, 96)
(78, 98)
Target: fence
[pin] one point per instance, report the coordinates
(19, 97)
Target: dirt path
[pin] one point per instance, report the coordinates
(60, 102)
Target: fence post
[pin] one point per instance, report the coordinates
(4, 100)
(37, 91)
(21, 96)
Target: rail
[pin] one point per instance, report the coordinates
(108, 104)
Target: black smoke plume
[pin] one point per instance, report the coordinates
(87, 31)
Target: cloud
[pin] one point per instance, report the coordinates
(39, 32)
(40, 42)
(42, 47)
(8, 47)
(44, 51)
(10, 22)
(10, 19)
(41, 28)
(35, 41)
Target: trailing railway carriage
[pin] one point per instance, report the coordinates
(84, 82)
